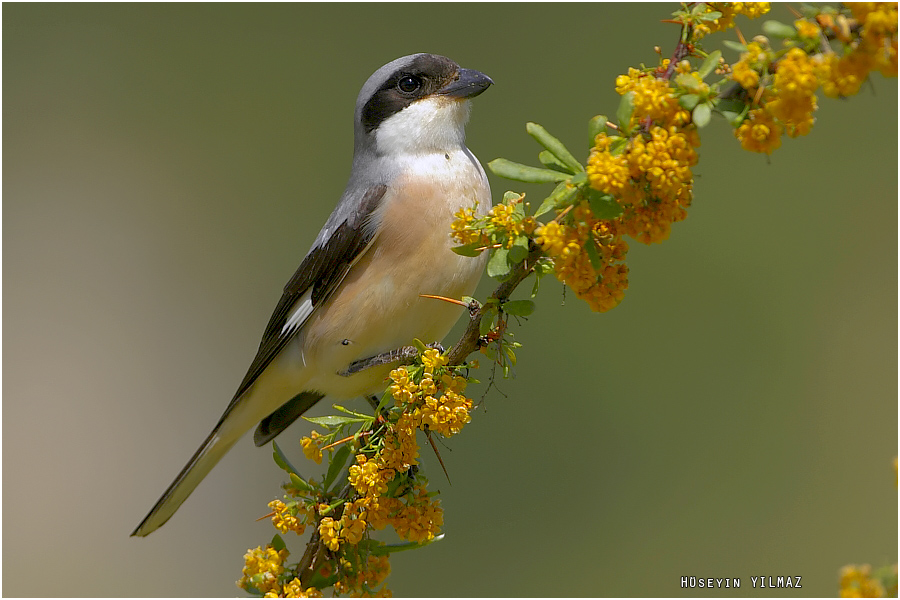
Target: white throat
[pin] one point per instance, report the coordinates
(433, 124)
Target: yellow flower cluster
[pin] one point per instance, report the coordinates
(794, 92)
(294, 589)
(262, 568)
(653, 97)
(421, 519)
(760, 132)
(360, 582)
(504, 218)
(729, 10)
(312, 447)
(368, 477)
(857, 582)
(292, 517)
(461, 228)
(878, 35)
(746, 71)
(601, 288)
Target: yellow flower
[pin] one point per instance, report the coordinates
(794, 91)
(421, 520)
(653, 97)
(759, 132)
(402, 387)
(807, 29)
(607, 173)
(312, 447)
(294, 589)
(432, 359)
(286, 517)
(328, 532)
(857, 582)
(845, 75)
(368, 478)
(462, 226)
(262, 566)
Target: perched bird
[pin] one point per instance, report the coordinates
(356, 294)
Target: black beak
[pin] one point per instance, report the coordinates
(470, 84)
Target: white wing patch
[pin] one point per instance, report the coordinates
(299, 313)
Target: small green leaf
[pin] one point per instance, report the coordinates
(618, 145)
(626, 109)
(596, 126)
(556, 147)
(710, 16)
(337, 464)
(498, 265)
(732, 45)
(778, 29)
(473, 249)
(550, 161)
(300, 483)
(509, 197)
(688, 101)
(519, 250)
(593, 255)
(278, 543)
(519, 172)
(391, 548)
(709, 65)
(688, 82)
(578, 179)
(512, 358)
(281, 460)
(420, 345)
(603, 206)
(701, 115)
(521, 308)
(331, 420)
(560, 197)
(487, 321)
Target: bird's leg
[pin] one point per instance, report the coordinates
(404, 356)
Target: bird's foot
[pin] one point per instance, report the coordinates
(404, 356)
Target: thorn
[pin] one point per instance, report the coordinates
(438, 454)
(740, 35)
(268, 516)
(450, 300)
(346, 439)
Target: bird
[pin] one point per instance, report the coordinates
(357, 294)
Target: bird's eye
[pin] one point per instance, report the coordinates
(409, 84)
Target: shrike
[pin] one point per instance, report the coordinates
(357, 292)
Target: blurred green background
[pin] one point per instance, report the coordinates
(167, 166)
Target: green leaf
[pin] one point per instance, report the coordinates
(337, 465)
(624, 112)
(473, 249)
(487, 321)
(281, 460)
(618, 145)
(596, 126)
(300, 483)
(332, 420)
(778, 29)
(391, 548)
(512, 358)
(688, 82)
(732, 45)
(521, 308)
(518, 172)
(420, 345)
(593, 255)
(511, 196)
(701, 115)
(549, 160)
(688, 101)
(278, 543)
(603, 206)
(561, 196)
(556, 147)
(519, 250)
(498, 265)
(709, 65)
